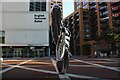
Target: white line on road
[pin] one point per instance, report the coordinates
(5, 70)
(82, 65)
(111, 68)
(81, 76)
(113, 59)
(85, 77)
(54, 64)
(106, 62)
(32, 69)
(61, 76)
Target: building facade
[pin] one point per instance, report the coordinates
(90, 21)
(59, 2)
(78, 24)
(25, 25)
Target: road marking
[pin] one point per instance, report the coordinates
(61, 76)
(80, 76)
(114, 60)
(102, 62)
(5, 70)
(54, 64)
(82, 65)
(32, 69)
(111, 68)
(85, 77)
(64, 77)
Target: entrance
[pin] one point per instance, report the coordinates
(17, 53)
(39, 52)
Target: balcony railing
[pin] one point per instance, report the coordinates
(115, 3)
(92, 13)
(116, 16)
(116, 9)
(103, 8)
(92, 3)
(93, 7)
(102, 3)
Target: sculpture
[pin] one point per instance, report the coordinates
(61, 38)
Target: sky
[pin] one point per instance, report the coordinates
(68, 7)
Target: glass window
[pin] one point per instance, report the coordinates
(2, 36)
(37, 6)
(77, 4)
(85, 2)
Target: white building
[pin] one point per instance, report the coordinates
(25, 24)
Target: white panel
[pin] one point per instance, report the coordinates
(16, 37)
(38, 37)
(15, 6)
(0, 15)
(25, 20)
(14, 20)
(47, 6)
(20, 27)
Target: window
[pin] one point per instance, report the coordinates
(37, 6)
(2, 36)
(77, 4)
(84, 2)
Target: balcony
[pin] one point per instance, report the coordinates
(116, 9)
(117, 29)
(103, 8)
(87, 30)
(94, 17)
(104, 26)
(104, 13)
(76, 16)
(76, 27)
(115, 3)
(93, 23)
(92, 13)
(104, 21)
(71, 24)
(92, 3)
(93, 7)
(71, 18)
(116, 16)
(102, 3)
(87, 37)
(65, 22)
(116, 22)
(103, 16)
(85, 12)
(76, 22)
(86, 21)
(86, 26)
(85, 18)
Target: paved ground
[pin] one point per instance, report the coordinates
(44, 69)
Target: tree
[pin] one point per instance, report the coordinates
(113, 37)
